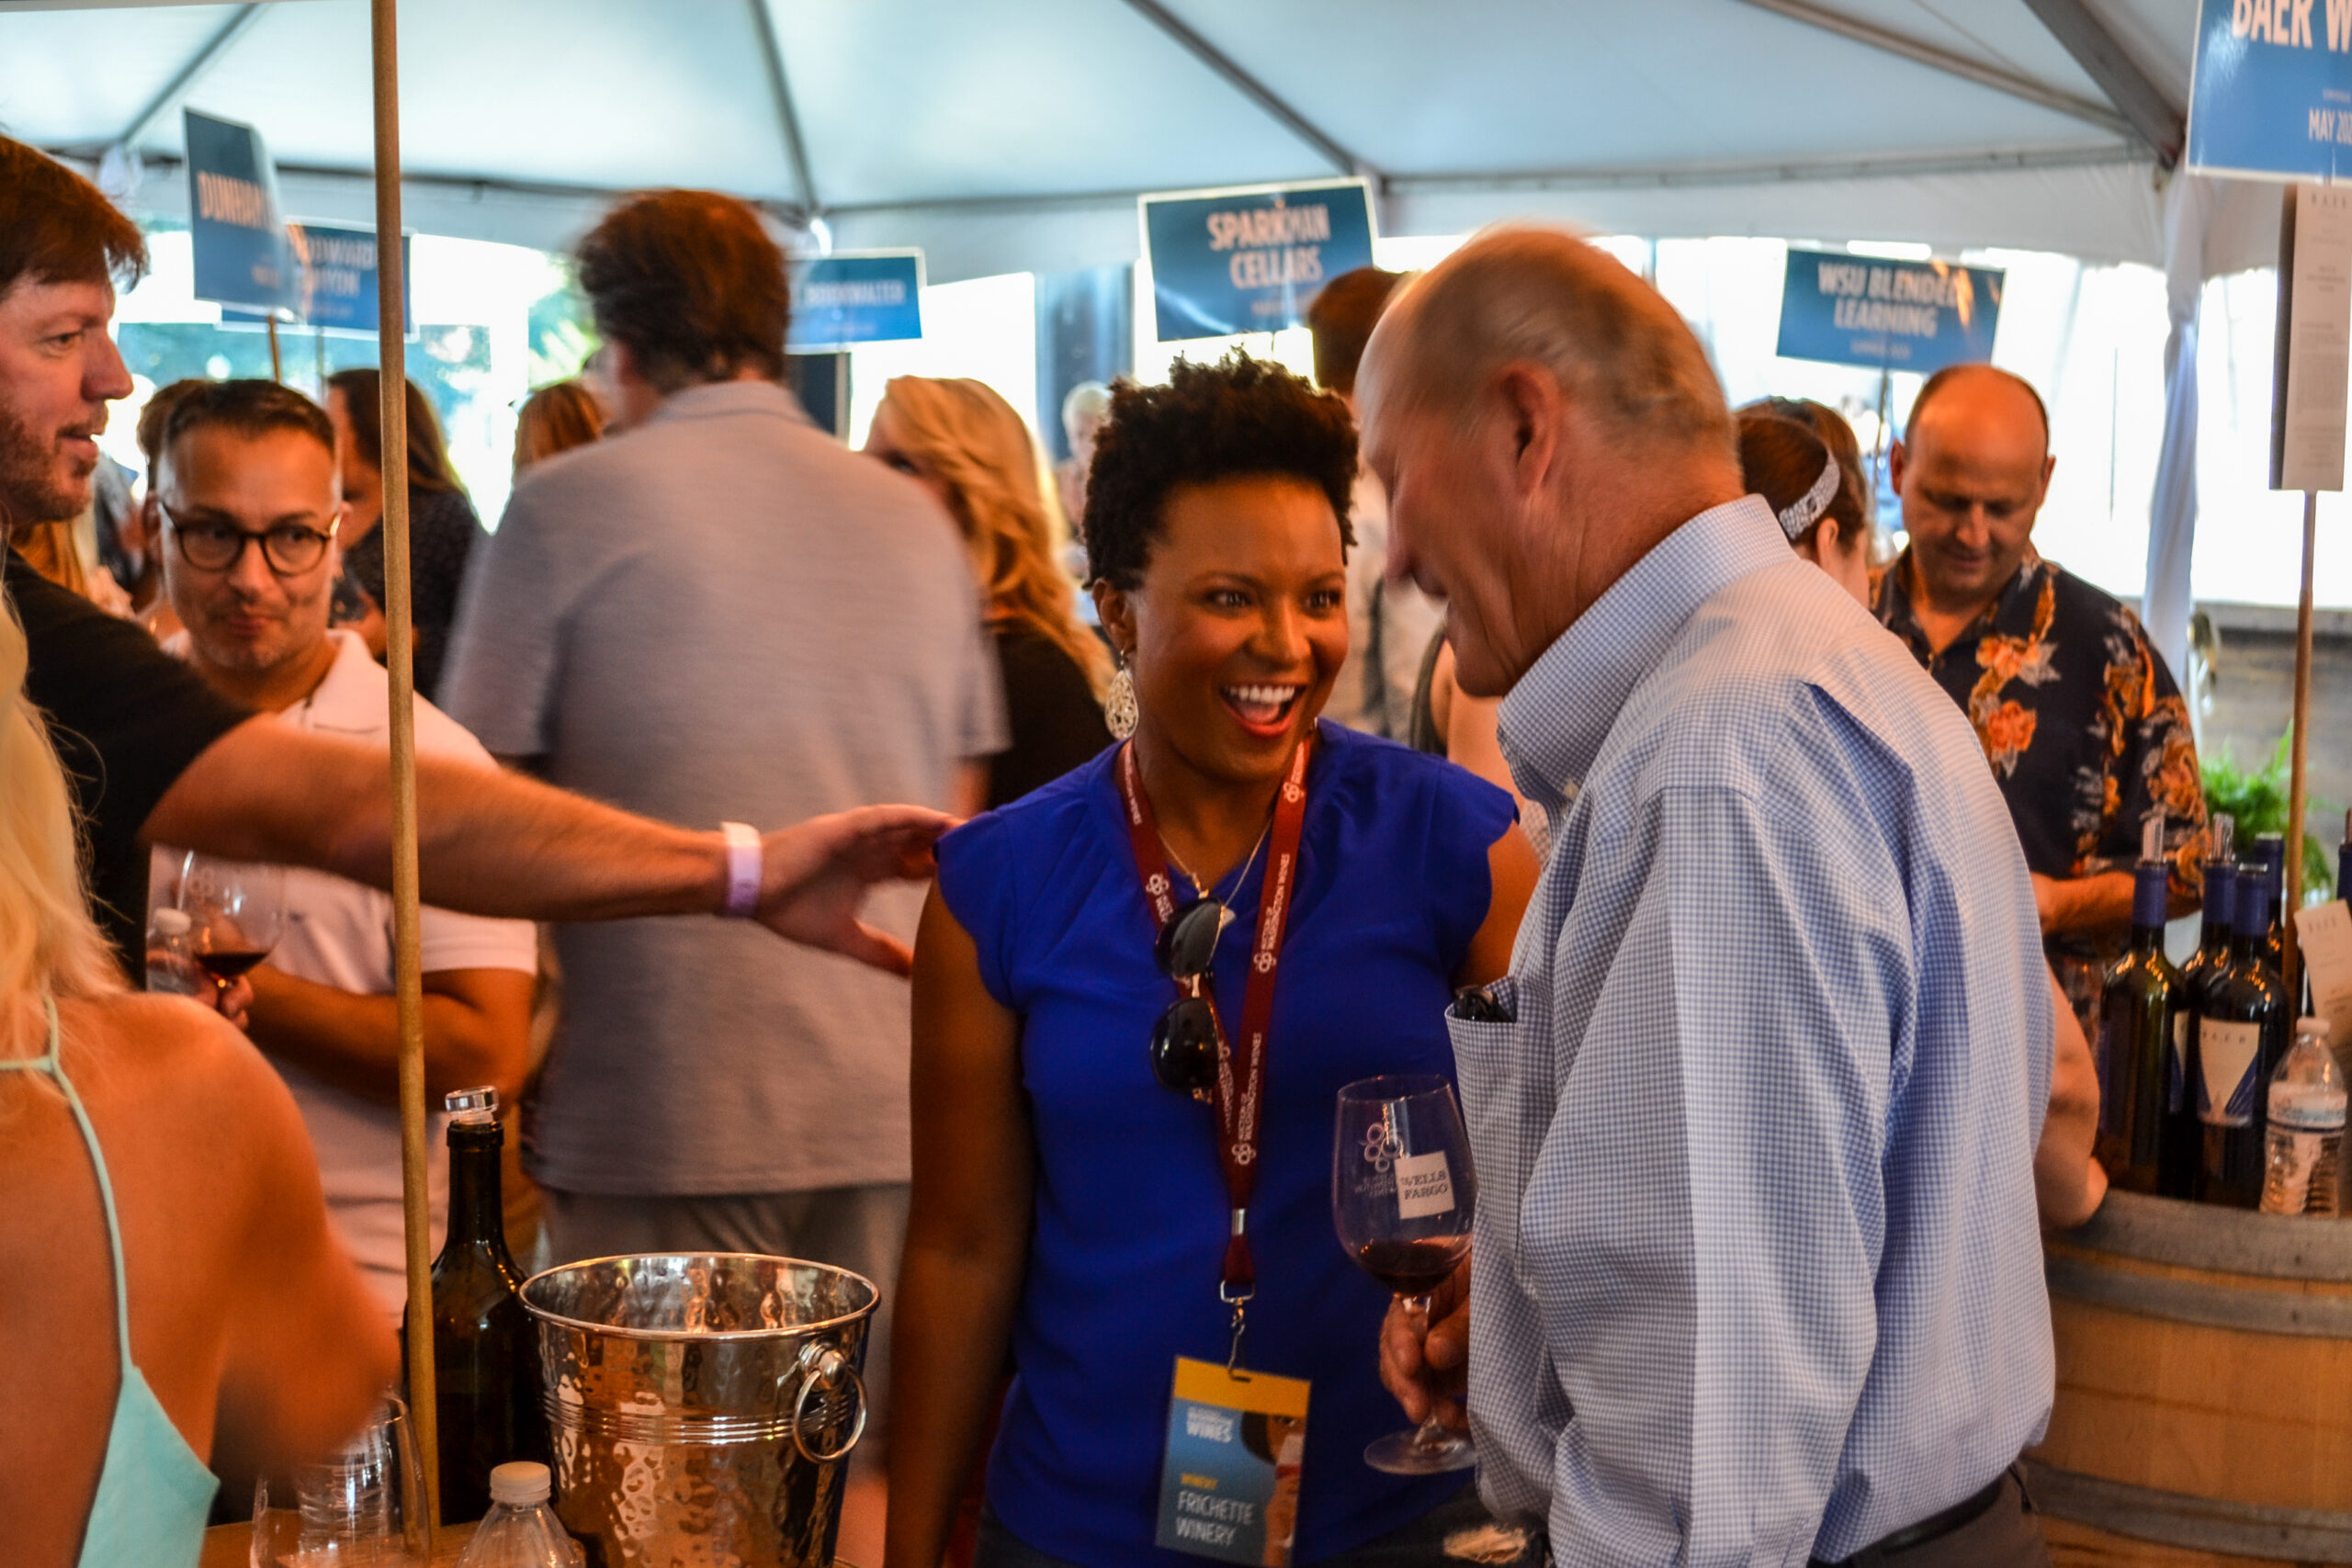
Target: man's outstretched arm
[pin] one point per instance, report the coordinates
(496, 843)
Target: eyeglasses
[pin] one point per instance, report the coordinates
(289, 547)
(1184, 1042)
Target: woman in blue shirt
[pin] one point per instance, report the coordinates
(1067, 1208)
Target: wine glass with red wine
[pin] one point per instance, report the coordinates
(237, 912)
(1402, 1197)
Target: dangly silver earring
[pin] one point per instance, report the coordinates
(1119, 710)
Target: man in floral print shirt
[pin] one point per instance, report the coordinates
(2084, 727)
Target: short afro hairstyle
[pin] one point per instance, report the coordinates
(1239, 418)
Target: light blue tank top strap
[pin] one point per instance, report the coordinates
(153, 1493)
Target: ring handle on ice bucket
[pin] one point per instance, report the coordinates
(822, 1370)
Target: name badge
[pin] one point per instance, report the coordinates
(1228, 1483)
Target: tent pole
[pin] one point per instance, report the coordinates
(407, 974)
(277, 363)
(2297, 781)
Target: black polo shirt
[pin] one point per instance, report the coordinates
(127, 720)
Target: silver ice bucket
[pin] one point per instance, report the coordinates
(701, 1407)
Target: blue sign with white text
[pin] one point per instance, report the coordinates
(855, 297)
(339, 288)
(1888, 315)
(1227, 262)
(2272, 92)
(242, 253)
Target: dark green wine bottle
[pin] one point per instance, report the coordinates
(486, 1347)
(2241, 1034)
(2139, 1001)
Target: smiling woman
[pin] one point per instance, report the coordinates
(1068, 1205)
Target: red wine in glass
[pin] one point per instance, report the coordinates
(236, 911)
(1403, 1197)
(226, 965)
(1413, 1268)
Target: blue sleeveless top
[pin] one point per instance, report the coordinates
(153, 1493)
(1131, 1214)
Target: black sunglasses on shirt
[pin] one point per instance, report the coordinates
(1184, 1040)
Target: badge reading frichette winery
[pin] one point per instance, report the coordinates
(1228, 1483)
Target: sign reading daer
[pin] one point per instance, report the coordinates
(1224, 262)
(2271, 92)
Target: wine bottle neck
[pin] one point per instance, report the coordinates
(2220, 908)
(2151, 902)
(477, 1206)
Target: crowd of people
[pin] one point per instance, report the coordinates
(1501, 662)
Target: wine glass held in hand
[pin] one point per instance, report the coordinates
(1402, 1197)
(237, 912)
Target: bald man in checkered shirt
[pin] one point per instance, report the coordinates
(1758, 1274)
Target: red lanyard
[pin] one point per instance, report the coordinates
(1241, 1093)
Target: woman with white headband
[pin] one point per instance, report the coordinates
(1790, 461)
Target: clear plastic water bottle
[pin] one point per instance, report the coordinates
(2305, 1147)
(171, 962)
(520, 1530)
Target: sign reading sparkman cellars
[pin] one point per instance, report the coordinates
(1250, 261)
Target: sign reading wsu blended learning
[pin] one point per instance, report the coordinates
(235, 229)
(2272, 92)
(1888, 315)
(855, 297)
(1224, 262)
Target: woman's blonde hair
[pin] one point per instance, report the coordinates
(964, 434)
(557, 417)
(46, 940)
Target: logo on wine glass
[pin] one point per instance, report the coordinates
(1380, 1146)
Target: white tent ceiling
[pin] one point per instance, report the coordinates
(1014, 134)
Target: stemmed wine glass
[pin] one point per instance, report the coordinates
(364, 1505)
(237, 912)
(1402, 1196)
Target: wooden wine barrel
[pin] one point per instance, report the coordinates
(2204, 1409)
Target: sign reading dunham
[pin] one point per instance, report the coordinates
(1888, 315)
(238, 234)
(1249, 260)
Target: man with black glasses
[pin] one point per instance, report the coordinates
(245, 492)
(154, 754)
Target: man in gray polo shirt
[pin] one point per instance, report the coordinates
(720, 614)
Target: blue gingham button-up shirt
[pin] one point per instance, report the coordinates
(1758, 1274)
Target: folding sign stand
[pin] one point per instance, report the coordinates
(2307, 430)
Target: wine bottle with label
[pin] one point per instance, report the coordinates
(486, 1347)
(2138, 1000)
(2241, 1034)
(2184, 1131)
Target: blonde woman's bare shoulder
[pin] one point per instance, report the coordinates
(182, 1061)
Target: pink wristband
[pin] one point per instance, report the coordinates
(742, 869)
